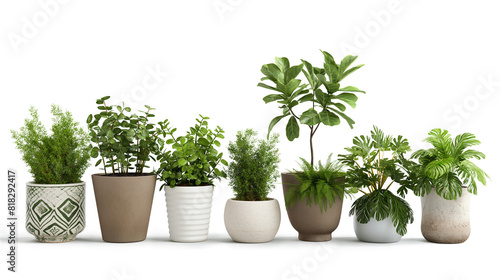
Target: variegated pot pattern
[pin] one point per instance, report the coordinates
(55, 213)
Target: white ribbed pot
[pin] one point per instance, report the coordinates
(446, 221)
(55, 212)
(188, 211)
(376, 231)
(252, 221)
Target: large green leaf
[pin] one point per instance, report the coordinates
(274, 122)
(271, 71)
(268, 87)
(346, 62)
(345, 117)
(272, 97)
(291, 86)
(349, 98)
(329, 118)
(321, 97)
(350, 71)
(351, 89)
(292, 129)
(310, 117)
(282, 63)
(293, 72)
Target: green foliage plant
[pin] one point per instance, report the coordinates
(193, 159)
(254, 165)
(123, 141)
(446, 166)
(321, 94)
(321, 184)
(373, 161)
(59, 158)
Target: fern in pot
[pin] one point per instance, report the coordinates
(322, 101)
(188, 170)
(252, 217)
(374, 166)
(123, 142)
(445, 177)
(55, 199)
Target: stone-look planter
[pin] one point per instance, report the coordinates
(309, 221)
(252, 221)
(124, 206)
(55, 213)
(446, 221)
(376, 231)
(188, 211)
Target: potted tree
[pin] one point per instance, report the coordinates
(252, 217)
(55, 199)
(380, 215)
(188, 172)
(326, 99)
(444, 177)
(124, 193)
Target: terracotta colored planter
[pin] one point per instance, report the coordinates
(124, 206)
(55, 213)
(309, 221)
(446, 221)
(252, 221)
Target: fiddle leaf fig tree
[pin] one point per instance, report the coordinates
(321, 91)
(125, 142)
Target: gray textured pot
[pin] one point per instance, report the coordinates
(446, 221)
(55, 213)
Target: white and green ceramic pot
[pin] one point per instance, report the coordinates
(55, 212)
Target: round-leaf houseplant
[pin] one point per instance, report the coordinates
(123, 142)
(55, 210)
(445, 176)
(188, 171)
(251, 216)
(323, 101)
(374, 166)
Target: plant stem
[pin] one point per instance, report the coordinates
(389, 185)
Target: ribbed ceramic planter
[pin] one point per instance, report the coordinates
(309, 221)
(252, 221)
(124, 206)
(55, 213)
(376, 231)
(188, 211)
(446, 221)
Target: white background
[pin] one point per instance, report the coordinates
(428, 64)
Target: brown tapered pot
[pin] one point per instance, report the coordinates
(124, 206)
(308, 220)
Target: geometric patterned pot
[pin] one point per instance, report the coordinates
(55, 212)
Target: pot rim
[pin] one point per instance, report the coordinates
(33, 184)
(114, 176)
(269, 200)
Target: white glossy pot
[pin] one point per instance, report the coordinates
(446, 221)
(188, 211)
(376, 231)
(252, 221)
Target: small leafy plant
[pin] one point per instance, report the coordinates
(125, 142)
(321, 184)
(369, 169)
(447, 166)
(254, 166)
(193, 159)
(59, 158)
(320, 92)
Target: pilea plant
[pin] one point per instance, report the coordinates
(324, 183)
(125, 142)
(254, 166)
(193, 158)
(447, 166)
(59, 158)
(322, 92)
(370, 169)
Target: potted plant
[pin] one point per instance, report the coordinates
(55, 199)
(380, 215)
(252, 217)
(188, 172)
(124, 193)
(326, 99)
(444, 177)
